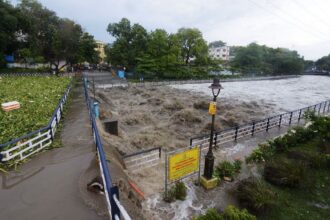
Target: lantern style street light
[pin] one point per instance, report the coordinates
(209, 158)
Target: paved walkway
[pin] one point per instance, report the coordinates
(53, 185)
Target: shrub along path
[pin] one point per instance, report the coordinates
(52, 185)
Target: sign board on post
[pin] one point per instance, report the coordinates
(212, 108)
(183, 163)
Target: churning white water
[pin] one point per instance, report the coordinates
(285, 94)
(182, 210)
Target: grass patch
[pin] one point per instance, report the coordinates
(297, 167)
(38, 97)
(226, 169)
(255, 195)
(230, 213)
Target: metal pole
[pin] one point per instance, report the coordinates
(215, 140)
(299, 116)
(199, 166)
(236, 132)
(280, 122)
(166, 157)
(94, 87)
(290, 118)
(209, 158)
(253, 126)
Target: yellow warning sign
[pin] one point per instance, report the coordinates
(212, 108)
(183, 163)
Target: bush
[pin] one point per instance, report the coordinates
(211, 214)
(309, 158)
(237, 165)
(228, 169)
(284, 172)
(261, 154)
(233, 213)
(230, 213)
(255, 195)
(177, 192)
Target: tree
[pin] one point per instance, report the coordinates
(162, 54)
(193, 46)
(39, 28)
(257, 59)
(87, 49)
(65, 44)
(9, 25)
(130, 44)
(218, 43)
(323, 63)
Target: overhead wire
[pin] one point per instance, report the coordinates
(302, 6)
(297, 19)
(302, 28)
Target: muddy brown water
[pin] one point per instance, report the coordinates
(52, 185)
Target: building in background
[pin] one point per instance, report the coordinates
(220, 53)
(100, 48)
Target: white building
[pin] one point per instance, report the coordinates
(220, 53)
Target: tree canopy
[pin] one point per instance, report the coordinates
(32, 32)
(157, 54)
(257, 59)
(323, 64)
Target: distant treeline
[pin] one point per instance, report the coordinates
(184, 54)
(32, 33)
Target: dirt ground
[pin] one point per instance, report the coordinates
(166, 117)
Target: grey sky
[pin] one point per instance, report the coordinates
(302, 25)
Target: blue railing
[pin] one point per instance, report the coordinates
(8, 151)
(111, 192)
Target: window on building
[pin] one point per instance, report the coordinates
(224, 50)
(223, 55)
(218, 50)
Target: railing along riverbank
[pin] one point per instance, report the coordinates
(107, 81)
(250, 129)
(180, 82)
(29, 144)
(111, 192)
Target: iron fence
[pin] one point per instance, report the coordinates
(143, 159)
(250, 129)
(106, 80)
(29, 144)
(181, 82)
(111, 192)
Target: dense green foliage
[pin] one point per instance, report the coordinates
(38, 97)
(255, 195)
(230, 213)
(227, 169)
(176, 192)
(35, 34)
(158, 54)
(323, 63)
(257, 59)
(297, 167)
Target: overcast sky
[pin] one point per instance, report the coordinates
(302, 25)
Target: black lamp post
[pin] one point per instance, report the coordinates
(209, 158)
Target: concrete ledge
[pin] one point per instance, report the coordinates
(209, 184)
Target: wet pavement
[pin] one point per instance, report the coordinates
(52, 185)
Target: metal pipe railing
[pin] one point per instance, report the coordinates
(266, 124)
(111, 192)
